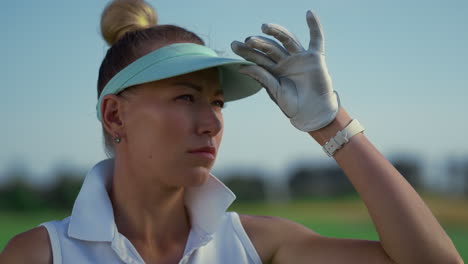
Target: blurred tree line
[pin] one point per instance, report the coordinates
(19, 194)
(312, 182)
(303, 182)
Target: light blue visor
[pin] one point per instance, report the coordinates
(178, 59)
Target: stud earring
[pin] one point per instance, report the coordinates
(117, 139)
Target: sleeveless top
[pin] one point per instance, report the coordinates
(90, 234)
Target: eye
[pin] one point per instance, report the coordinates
(219, 103)
(187, 97)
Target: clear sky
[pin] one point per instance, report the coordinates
(400, 67)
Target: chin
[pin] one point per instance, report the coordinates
(197, 176)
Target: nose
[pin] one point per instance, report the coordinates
(209, 121)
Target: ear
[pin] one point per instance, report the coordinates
(112, 109)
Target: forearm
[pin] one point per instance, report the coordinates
(408, 231)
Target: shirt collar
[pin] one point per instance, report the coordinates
(92, 218)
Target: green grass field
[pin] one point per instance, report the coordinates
(335, 218)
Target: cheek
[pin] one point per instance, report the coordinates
(219, 136)
(159, 131)
(172, 128)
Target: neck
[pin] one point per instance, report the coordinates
(148, 213)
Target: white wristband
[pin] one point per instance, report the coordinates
(342, 137)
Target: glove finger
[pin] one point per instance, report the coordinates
(252, 55)
(316, 33)
(289, 41)
(265, 78)
(268, 46)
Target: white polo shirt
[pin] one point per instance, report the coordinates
(90, 234)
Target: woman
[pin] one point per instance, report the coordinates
(160, 98)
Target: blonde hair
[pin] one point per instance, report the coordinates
(122, 16)
(130, 28)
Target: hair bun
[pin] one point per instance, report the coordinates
(122, 16)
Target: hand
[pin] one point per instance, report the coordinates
(296, 79)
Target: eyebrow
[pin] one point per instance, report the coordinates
(197, 87)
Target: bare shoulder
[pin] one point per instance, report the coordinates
(268, 232)
(279, 240)
(32, 246)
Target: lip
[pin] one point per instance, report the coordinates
(207, 152)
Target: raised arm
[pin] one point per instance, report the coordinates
(297, 80)
(408, 231)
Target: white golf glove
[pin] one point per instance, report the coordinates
(296, 79)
